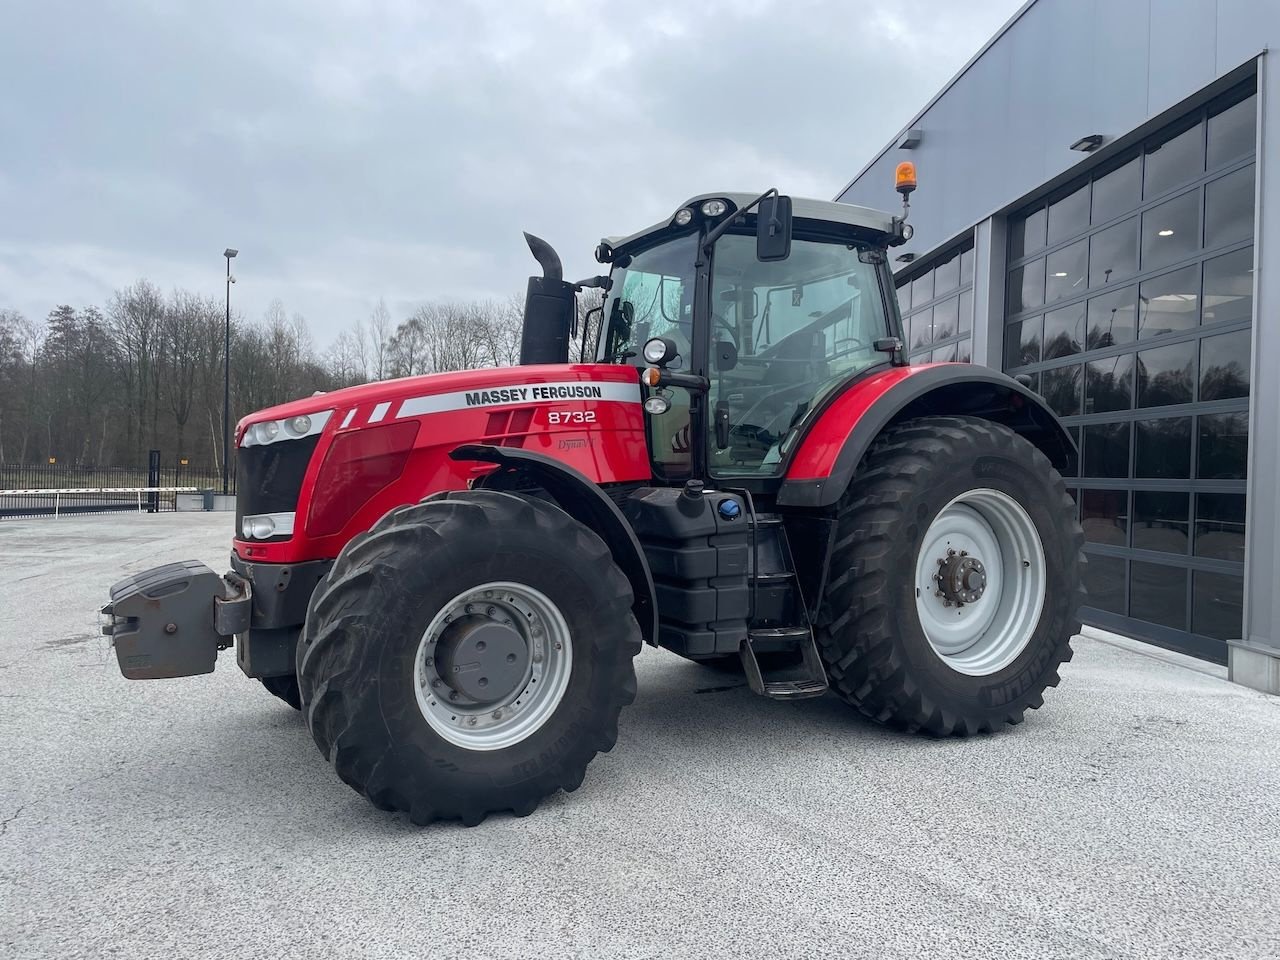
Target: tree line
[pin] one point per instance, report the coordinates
(99, 386)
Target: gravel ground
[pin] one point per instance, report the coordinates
(1135, 816)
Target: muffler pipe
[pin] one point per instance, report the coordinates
(550, 308)
(546, 256)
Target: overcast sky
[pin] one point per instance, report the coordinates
(354, 150)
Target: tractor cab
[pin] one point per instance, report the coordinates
(745, 314)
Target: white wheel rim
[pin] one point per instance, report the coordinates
(984, 635)
(502, 723)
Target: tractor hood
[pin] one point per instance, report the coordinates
(393, 393)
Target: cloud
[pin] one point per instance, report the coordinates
(354, 150)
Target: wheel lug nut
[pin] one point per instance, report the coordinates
(497, 714)
(492, 613)
(471, 721)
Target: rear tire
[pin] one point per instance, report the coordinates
(887, 649)
(378, 711)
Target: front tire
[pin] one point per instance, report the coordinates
(391, 679)
(955, 579)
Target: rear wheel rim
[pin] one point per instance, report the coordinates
(981, 582)
(514, 717)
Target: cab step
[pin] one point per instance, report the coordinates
(797, 682)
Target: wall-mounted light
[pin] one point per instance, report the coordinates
(1088, 144)
(911, 139)
(1166, 232)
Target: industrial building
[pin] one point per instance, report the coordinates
(1094, 214)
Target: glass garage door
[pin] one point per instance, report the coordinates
(937, 307)
(1129, 304)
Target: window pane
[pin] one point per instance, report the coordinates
(1162, 448)
(1026, 286)
(904, 298)
(964, 316)
(1158, 594)
(1104, 579)
(1228, 287)
(1106, 450)
(1111, 318)
(966, 267)
(1069, 216)
(1171, 231)
(1062, 390)
(1160, 521)
(1224, 366)
(1026, 235)
(1066, 272)
(1117, 191)
(946, 276)
(1108, 384)
(964, 351)
(1113, 253)
(1220, 526)
(1224, 446)
(1022, 342)
(1176, 160)
(1166, 375)
(1063, 331)
(922, 288)
(1168, 302)
(1217, 605)
(1233, 132)
(921, 329)
(944, 318)
(1228, 208)
(1105, 516)
(945, 354)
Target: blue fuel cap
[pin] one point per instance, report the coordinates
(729, 509)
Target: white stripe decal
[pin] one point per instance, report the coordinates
(346, 421)
(515, 394)
(379, 412)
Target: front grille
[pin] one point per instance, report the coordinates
(269, 477)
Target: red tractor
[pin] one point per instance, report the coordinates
(450, 574)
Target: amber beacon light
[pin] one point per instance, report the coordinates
(904, 178)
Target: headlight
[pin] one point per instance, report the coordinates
(263, 526)
(294, 428)
(657, 405)
(683, 216)
(658, 350)
(714, 208)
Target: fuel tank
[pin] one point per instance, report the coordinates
(327, 467)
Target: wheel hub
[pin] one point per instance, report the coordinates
(481, 658)
(961, 578)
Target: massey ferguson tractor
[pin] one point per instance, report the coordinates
(449, 575)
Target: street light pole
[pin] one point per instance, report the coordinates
(226, 374)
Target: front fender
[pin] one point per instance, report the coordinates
(828, 456)
(587, 503)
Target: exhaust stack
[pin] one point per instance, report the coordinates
(550, 308)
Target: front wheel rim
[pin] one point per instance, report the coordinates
(532, 702)
(981, 582)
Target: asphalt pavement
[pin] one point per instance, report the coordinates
(1136, 815)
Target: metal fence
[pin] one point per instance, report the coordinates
(55, 489)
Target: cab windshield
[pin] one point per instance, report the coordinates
(651, 296)
(784, 335)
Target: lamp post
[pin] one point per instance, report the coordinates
(226, 373)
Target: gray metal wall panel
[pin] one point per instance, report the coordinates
(1182, 48)
(1064, 69)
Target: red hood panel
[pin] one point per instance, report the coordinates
(433, 383)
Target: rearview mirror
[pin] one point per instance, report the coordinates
(773, 228)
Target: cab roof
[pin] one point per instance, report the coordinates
(802, 208)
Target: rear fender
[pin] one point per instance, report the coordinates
(827, 458)
(586, 503)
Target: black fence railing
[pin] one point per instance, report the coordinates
(114, 488)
